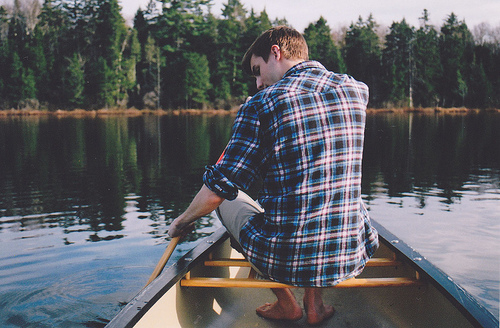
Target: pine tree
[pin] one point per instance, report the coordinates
(14, 89)
(106, 52)
(177, 30)
(397, 59)
(455, 52)
(28, 90)
(427, 64)
(4, 25)
(74, 81)
(196, 80)
(38, 64)
(53, 35)
(362, 55)
(485, 78)
(322, 47)
(231, 84)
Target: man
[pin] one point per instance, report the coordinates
(302, 134)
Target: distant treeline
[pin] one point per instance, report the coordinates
(67, 54)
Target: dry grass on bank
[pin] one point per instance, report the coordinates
(430, 110)
(131, 112)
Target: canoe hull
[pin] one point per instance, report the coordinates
(436, 302)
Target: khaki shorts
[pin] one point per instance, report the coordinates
(234, 214)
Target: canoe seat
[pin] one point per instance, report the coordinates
(252, 280)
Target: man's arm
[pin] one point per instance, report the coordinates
(203, 203)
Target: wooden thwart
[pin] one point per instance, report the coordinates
(253, 282)
(257, 283)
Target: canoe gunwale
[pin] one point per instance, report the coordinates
(146, 298)
(476, 313)
(467, 304)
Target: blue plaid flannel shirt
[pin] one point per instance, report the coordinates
(303, 136)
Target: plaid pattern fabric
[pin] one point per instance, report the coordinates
(303, 136)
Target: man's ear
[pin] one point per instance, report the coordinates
(276, 52)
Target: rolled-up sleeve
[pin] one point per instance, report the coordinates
(219, 184)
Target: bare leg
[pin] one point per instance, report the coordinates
(286, 307)
(315, 309)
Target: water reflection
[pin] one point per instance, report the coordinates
(83, 169)
(77, 172)
(416, 153)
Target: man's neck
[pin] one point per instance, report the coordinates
(286, 64)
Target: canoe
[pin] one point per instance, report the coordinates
(213, 286)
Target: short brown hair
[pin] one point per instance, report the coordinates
(292, 45)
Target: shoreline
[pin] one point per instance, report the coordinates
(432, 110)
(132, 112)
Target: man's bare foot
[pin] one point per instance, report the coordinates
(285, 308)
(316, 311)
(317, 316)
(277, 312)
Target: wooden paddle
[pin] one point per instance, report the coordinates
(164, 259)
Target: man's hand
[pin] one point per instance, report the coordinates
(203, 203)
(179, 228)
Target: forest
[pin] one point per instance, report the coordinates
(82, 54)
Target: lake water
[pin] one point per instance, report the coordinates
(85, 203)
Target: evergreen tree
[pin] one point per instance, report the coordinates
(485, 78)
(111, 27)
(38, 64)
(17, 37)
(208, 47)
(196, 80)
(130, 54)
(397, 60)
(177, 30)
(455, 52)
(144, 69)
(480, 89)
(322, 47)
(53, 33)
(232, 87)
(255, 25)
(74, 81)
(150, 74)
(4, 26)
(362, 55)
(28, 89)
(80, 53)
(427, 64)
(15, 71)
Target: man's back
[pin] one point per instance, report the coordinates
(304, 137)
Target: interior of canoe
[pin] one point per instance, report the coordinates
(222, 291)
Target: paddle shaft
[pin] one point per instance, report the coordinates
(164, 259)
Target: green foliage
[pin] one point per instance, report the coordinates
(74, 81)
(456, 46)
(426, 69)
(28, 90)
(362, 54)
(397, 61)
(81, 54)
(15, 84)
(322, 47)
(196, 80)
